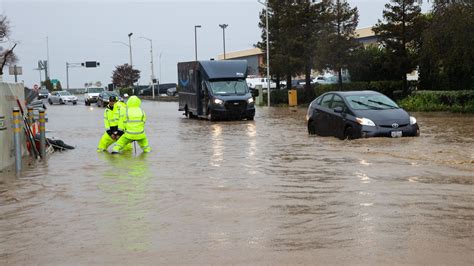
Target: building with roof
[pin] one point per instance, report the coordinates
(253, 56)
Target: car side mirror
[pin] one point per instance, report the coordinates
(338, 110)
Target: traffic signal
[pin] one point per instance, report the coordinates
(154, 81)
(90, 64)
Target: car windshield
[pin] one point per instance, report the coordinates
(44, 91)
(95, 90)
(229, 87)
(110, 93)
(371, 101)
(64, 93)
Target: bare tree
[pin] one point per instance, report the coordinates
(7, 57)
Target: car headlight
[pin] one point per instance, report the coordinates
(412, 120)
(365, 122)
(218, 101)
(250, 100)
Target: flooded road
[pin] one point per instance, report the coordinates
(259, 192)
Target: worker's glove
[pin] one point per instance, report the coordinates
(119, 133)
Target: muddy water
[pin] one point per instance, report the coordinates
(260, 192)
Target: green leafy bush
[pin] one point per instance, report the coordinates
(452, 101)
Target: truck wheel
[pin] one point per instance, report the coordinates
(250, 118)
(210, 116)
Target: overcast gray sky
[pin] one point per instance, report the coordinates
(81, 31)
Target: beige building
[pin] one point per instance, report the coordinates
(255, 56)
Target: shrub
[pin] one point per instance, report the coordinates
(453, 101)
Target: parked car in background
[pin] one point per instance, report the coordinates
(359, 114)
(92, 94)
(43, 94)
(172, 91)
(104, 96)
(253, 82)
(62, 97)
(161, 89)
(325, 80)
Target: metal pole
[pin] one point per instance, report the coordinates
(152, 69)
(223, 26)
(15, 73)
(195, 41)
(47, 58)
(130, 47)
(42, 121)
(268, 54)
(160, 66)
(67, 75)
(17, 138)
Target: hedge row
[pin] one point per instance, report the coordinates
(392, 89)
(452, 101)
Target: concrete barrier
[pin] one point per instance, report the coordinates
(8, 95)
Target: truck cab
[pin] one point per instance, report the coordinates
(215, 90)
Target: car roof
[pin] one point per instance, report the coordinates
(352, 93)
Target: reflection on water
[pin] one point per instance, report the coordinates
(244, 192)
(125, 183)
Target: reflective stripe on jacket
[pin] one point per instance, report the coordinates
(110, 118)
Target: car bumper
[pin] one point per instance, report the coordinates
(92, 100)
(406, 131)
(222, 112)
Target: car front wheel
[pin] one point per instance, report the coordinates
(50, 102)
(349, 133)
(311, 128)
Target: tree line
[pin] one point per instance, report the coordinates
(305, 36)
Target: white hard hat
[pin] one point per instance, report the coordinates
(125, 95)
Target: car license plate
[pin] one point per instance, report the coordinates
(396, 134)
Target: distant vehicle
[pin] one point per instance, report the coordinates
(62, 97)
(325, 80)
(253, 82)
(172, 91)
(359, 114)
(43, 94)
(91, 94)
(215, 90)
(161, 89)
(103, 99)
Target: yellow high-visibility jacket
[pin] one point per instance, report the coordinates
(132, 123)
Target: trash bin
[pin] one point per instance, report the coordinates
(292, 98)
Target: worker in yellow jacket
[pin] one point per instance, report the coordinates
(111, 118)
(132, 123)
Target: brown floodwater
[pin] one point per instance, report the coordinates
(243, 192)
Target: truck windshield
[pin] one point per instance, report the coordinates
(229, 87)
(95, 90)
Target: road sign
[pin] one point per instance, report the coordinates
(15, 70)
(54, 81)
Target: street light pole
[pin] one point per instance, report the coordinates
(195, 41)
(268, 50)
(152, 69)
(223, 26)
(130, 47)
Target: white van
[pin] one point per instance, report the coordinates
(252, 82)
(91, 94)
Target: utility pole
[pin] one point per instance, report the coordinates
(223, 26)
(130, 47)
(195, 41)
(47, 71)
(152, 69)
